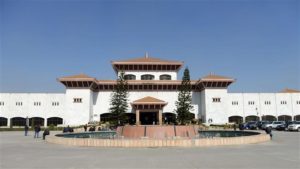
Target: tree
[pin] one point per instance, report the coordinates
(119, 99)
(184, 102)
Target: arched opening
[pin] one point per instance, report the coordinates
(147, 77)
(284, 118)
(36, 121)
(18, 121)
(235, 119)
(3, 121)
(129, 77)
(129, 118)
(297, 117)
(106, 117)
(54, 121)
(252, 118)
(165, 77)
(169, 118)
(269, 118)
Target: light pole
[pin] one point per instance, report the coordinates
(257, 119)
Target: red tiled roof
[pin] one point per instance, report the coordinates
(216, 77)
(147, 60)
(77, 77)
(149, 100)
(289, 91)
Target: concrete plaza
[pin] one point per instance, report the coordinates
(20, 152)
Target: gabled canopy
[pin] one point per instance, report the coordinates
(149, 100)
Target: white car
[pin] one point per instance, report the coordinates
(295, 126)
(274, 124)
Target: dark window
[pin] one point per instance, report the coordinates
(129, 77)
(147, 77)
(77, 100)
(216, 99)
(165, 77)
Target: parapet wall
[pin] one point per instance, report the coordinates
(205, 142)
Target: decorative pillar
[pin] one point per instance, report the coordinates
(160, 117)
(137, 117)
(9, 122)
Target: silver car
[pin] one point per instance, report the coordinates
(295, 126)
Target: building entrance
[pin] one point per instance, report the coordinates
(148, 118)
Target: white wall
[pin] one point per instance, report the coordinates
(45, 110)
(260, 108)
(102, 101)
(94, 104)
(216, 111)
(79, 113)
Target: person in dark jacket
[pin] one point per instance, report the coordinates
(241, 126)
(85, 127)
(26, 128)
(46, 132)
(269, 131)
(37, 130)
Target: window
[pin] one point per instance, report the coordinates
(129, 77)
(283, 102)
(19, 103)
(165, 77)
(147, 77)
(235, 103)
(251, 102)
(55, 103)
(298, 102)
(37, 103)
(77, 100)
(1, 103)
(267, 102)
(216, 99)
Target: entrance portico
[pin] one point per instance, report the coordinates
(148, 110)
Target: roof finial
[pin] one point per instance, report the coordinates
(146, 55)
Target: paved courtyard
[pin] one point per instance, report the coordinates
(18, 151)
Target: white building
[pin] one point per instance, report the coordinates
(152, 85)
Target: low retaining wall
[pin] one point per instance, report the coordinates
(205, 142)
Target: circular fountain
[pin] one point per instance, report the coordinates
(159, 136)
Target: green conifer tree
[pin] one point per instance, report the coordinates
(118, 102)
(184, 102)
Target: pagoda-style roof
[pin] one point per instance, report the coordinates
(212, 77)
(215, 81)
(286, 90)
(85, 81)
(78, 81)
(149, 100)
(146, 63)
(76, 77)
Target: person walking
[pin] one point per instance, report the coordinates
(26, 128)
(46, 132)
(85, 127)
(269, 131)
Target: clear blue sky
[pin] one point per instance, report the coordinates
(256, 42)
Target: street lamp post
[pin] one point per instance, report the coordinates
(257, 114)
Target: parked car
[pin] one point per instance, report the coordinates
(252, 125)
(261, 123)
(266, 124)
(281, 127)
(295, 126)
(275, 124)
